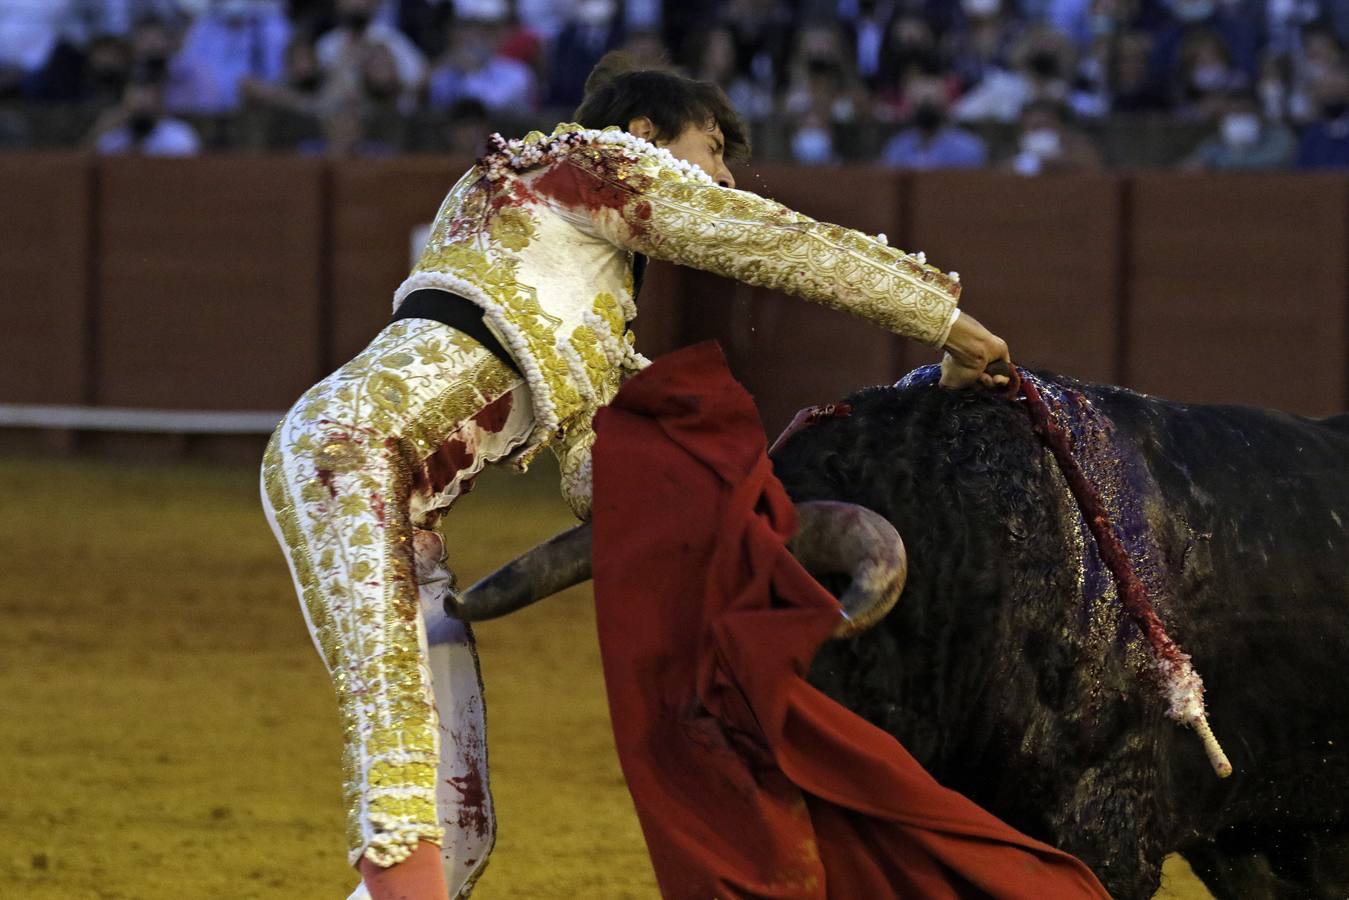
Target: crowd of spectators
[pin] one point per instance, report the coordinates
(1029, 86)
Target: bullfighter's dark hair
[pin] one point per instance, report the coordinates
(620, 89)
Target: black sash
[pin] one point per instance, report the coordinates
(457, 312)
(464, 315)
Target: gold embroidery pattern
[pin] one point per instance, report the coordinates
(338, 476)
(535, 328)
(605, 373)
(573, 457)
(512, 228)
(751, 239)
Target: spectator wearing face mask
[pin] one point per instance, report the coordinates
(1207, 77)
(343, 50)
(472, 68)
(824, 83)
(983, 39)
(1044, 63)
(1132, 88)
(107, 68)
(825, 93)
(1320, 57)
(286, 114)
(813, 141)
(762, 31)
(1325, 143)
(230, 42)
(592, 31)
(931, 141)
(1274, 90)
(139, 125)
(713, 59)
(301, 87)
(866, 22)
(1236, 28)
(910, 52)
(381, 88)
(154, 45)
(1244, 141)
(84, 30)
(1050, 145)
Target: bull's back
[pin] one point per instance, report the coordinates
(1259, 546)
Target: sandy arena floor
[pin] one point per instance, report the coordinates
(168, 731)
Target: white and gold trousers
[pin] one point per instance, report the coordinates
(353, 482)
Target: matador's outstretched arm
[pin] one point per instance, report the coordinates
(645, 204)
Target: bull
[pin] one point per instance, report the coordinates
(1013, 681)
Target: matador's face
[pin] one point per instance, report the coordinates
(704, 146)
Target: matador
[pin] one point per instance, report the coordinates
(511, 331)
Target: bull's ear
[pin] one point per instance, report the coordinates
(548, 569)
(847, 539)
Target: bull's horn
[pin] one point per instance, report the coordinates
(834, 538)
(548, 569)
(848, 539)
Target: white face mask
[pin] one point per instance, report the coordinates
(1043, 143)
(595, 12)
(981, 8)
(812, 146)
(1192, 10)
(1241, 129)
(1209, 77)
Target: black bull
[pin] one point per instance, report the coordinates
(989, 673)
(986, 673)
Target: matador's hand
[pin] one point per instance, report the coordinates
(969, 349)
(419, 877)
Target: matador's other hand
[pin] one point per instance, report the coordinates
(969, 349)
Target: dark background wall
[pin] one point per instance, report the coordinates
(235, 282)
(45, 279)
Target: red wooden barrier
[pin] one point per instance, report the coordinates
(234, 283)
(1039, 258)
(44, 270)
(1239, 287)
(209, 274)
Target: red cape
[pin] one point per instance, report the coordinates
(749, 782)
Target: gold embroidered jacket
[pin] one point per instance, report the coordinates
(541, 235)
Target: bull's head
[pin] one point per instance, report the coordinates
(833, 539)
